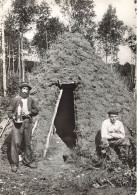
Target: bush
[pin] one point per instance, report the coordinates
(12, 85)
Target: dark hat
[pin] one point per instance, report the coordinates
(113, 111)
(24, 84)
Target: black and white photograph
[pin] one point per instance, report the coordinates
(68, 97)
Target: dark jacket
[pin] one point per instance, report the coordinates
(32, 106)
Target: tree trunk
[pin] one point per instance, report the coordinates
(47, 39)
(19, 65)
(70, 16)
(9, 69)
(3, 59)
(22, 60)
(106, 57)
(106, 50)
(13, 61)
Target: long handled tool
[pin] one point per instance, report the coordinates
(52, 123)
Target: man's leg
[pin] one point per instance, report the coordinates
(125, 144)
(28, 155)
(105, 149)
(15, 145)
(122, 142)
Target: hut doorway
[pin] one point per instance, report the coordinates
(65, 117)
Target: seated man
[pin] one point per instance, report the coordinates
(113, 133)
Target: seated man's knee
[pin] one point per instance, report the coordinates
(104, 143)
(126, 142)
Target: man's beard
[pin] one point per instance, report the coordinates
(24, 95)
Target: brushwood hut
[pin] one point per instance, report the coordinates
(90, 89)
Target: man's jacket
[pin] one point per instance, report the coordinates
(32, 107)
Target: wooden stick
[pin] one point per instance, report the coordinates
(52, 123)
(34, 127)
(110, 183)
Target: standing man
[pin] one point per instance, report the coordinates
(113, 133)
(21, 110)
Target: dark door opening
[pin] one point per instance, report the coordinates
(65, 117)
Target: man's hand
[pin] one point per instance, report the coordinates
(25, 114)
(117, 131)
(116, 135)
(14, 117)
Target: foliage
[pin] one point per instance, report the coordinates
(110, 33)
(131, 40)
(80, 14)
(83, 14)
(4, 104)
(12, 34)
(17, 22)
(10, 30)
(48, 28)
(24, 11)
(12, 84)
(12, 39)
(12, 88)
(127, 74)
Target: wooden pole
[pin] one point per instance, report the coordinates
(52, 123)
(3, 59)
(35, 125)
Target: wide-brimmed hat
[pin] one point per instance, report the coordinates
(25, 84)
(113, 111)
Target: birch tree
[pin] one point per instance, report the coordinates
(110, 33)
(47, 28)
(81, 16)
(23, 11)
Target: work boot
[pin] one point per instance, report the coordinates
(105, 152)
(14, 168)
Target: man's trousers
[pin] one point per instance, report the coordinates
(115, 143)
(21, 134)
